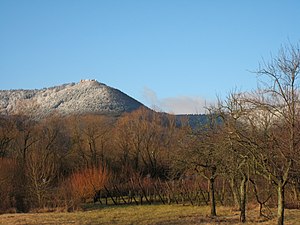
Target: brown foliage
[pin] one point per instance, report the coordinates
(7, 170)
(83, 185)
(90, 135)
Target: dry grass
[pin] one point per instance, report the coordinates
(157, 214)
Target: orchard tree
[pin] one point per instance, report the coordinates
(273, 120)
(235, 146)
(202, 151)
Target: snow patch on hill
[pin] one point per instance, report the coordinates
(87, 96)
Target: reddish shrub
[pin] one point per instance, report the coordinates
(83, 185)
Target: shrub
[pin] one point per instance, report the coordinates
(83, 185)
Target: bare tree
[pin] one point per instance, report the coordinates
(273, 118)
(43, 161)
(237, 156)
(41, 170)
(202, 151)
(91, 137)
(7, 135)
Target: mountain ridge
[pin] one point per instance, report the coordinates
(86, 96)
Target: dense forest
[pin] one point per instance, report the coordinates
(246, 153)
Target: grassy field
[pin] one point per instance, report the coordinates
(147, 214)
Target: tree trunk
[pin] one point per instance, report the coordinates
(295, 191)
(212, 197)
(280, 206)
(236, 196)
(243, 199)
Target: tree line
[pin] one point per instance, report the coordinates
(246, 153)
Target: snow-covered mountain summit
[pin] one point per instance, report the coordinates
(87, 96)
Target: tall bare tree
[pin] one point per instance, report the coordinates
(236, 147)
(274, 120)
(91, 135)
(144, 139)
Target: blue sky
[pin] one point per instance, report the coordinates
(176, 55)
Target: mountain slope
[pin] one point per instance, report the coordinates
(87, 96)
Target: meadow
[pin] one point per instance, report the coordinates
(145, 214)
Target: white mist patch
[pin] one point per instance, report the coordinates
(184, 105)
(177, 104)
